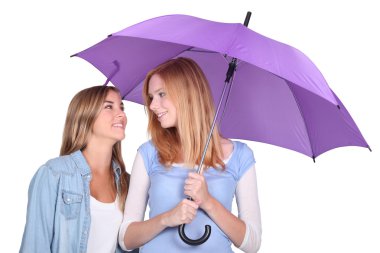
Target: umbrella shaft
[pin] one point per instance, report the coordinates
(226, 83)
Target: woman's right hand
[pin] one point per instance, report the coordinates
(183, 213)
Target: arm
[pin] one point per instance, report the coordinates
(42, 198)
(245, 231)
(134, 232)
(249, 210)
(232, 226)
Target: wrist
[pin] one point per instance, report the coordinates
(210, 205)
(164, 220)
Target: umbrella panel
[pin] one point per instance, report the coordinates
(261, 107)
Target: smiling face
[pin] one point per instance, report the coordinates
(111, 122)
(160, 103)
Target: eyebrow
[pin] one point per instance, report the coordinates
(111, 102)
(156, 91)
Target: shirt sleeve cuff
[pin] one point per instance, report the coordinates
(246, 237)
(123, 228)
(250, 243)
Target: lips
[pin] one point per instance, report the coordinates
(159, 115)
(118, 125)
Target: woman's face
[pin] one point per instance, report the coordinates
(111, 121)
(160, 103)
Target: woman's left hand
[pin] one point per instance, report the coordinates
(196, 188)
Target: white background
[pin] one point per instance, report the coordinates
(330, 206)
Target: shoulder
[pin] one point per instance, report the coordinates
(147, 149)
(243, 158)
(61, 165)
(149, 155)
(49, 174)
(147, 144)
(242, 149)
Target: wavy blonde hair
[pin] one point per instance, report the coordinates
(187, 87)
(83, 110)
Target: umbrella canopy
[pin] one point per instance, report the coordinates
(278, 95)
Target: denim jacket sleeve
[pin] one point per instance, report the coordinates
(42, 198)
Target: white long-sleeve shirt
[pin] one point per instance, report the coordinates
(246, 199)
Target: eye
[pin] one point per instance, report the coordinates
(108, 106)
(162, 94)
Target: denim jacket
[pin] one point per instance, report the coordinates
(58, 216)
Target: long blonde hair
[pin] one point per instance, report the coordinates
(83, 110)
(188, 89)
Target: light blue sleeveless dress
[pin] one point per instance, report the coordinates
(166, 191)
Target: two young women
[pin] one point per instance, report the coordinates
(75, 201)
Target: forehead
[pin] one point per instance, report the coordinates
(155, 84)
(113, 96)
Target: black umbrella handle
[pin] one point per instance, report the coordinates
(192, 242)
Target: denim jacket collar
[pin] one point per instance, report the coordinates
(83, 167)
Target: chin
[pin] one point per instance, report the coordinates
(119, 138)
(167, 125)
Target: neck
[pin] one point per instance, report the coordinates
(98, 157)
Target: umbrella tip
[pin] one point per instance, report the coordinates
(247, 18)
(338, 106)
(109, 35)
(313, 159)
(369, 148)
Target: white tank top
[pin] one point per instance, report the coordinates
(105, 222)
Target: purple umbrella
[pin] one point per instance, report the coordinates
(274, 93)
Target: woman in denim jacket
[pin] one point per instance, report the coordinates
(76, 200)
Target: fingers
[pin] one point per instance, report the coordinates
(193, 175)
(190, 193)
(194, 181)
(183, 213)
(191, 204)
(188, 211)
(192, 186)
(196, 187)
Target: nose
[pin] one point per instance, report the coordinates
(153, 104)
(121, 114)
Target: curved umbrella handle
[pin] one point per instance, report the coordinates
(196, 242)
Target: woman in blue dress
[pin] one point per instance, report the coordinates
(180, 110)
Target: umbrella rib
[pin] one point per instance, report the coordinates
(167, 58)
(303, 119)
(117, 68)
(192, 49)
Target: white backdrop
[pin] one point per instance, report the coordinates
(330, 206)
